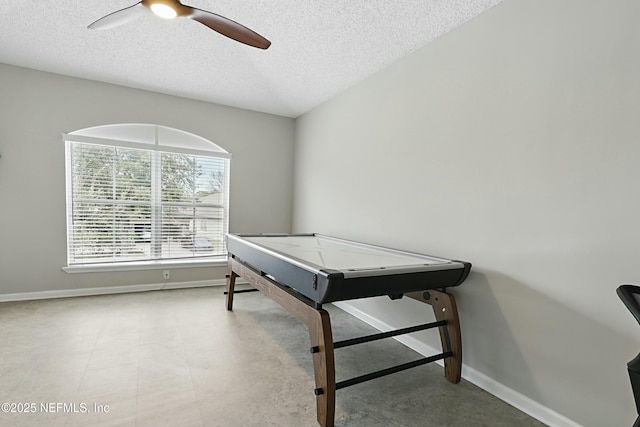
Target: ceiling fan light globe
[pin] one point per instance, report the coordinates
(163, 10)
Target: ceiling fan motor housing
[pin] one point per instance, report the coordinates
(177, 7)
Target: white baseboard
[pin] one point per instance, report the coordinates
(502, 392)
(66, 293)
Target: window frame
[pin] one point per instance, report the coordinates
(154, 144)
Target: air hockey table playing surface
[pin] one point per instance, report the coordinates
(327, 269)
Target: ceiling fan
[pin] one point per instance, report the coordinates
(169, 9)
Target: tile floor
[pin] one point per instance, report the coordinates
(178, 358)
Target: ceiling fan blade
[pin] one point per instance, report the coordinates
(119, 17)
(229, 28)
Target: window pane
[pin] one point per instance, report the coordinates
(209, 230)
(132, 174)
(210, 180)
(189, 231)
(92, 171)
(110, 232)
(105, 173)
(178, 177)
(92, 231)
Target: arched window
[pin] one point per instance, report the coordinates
(142, 193)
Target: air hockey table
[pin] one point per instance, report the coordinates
(303, 271)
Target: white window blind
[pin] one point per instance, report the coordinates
(136, 204)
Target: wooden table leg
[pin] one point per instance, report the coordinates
(231, 283)
(323, 366)
(316, 319)
(444, 308)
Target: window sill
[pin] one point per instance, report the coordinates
(146, 265)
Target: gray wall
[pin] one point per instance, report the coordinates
(513, 143)
(37, 107)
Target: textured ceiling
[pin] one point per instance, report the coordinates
(319, 48)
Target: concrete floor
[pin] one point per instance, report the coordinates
(178, 358)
